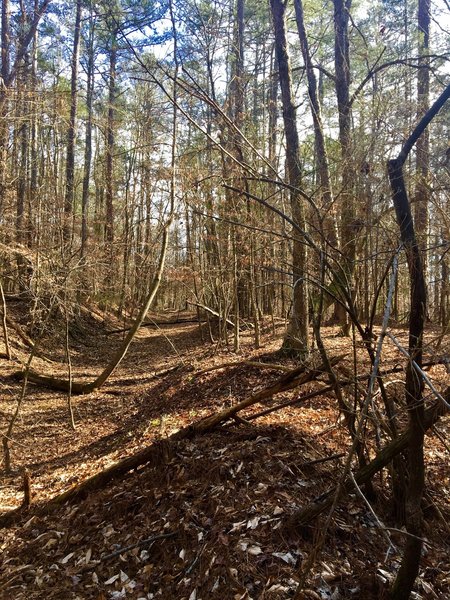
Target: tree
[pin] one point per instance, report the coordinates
(319, 137)
(423, 144)
(348, 223)
(71, 132)
(414, 384)
(296, 339)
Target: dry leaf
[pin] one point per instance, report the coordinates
(52, 542)
(66, 559)
(287, 557)
(123, 577)
(112, 579)
(253, 523)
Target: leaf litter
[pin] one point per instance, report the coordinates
(222, 499)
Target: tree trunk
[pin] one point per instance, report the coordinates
(5, 67)
(296, 338)
(71, 132)
(329, 231)
(348, 176)
(414, 384)
(110, 142)
(423, 143)
(413, 390)
(88, 139)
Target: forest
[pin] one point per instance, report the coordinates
(225, 299)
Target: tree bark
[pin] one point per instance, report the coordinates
(296, 338)
(347, 222)
(71, 132)
(414, 384)
(422, 194)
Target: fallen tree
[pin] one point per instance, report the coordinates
(161, 451)
(288, 381)
(305, 515)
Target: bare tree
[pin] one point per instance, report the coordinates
(296, 338)
(414, 382)
(71, 132)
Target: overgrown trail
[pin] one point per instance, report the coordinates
(206, 517)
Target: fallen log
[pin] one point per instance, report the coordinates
(212, 312)
(288, 381)
(305, 515)
(239, 363)
(157, 324)
(161, 451)
(79, 387)
(53, 383)
(157, 454)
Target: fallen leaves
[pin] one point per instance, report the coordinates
(227, 495)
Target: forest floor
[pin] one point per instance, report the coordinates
(206, 519)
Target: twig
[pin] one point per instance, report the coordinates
(319, 461)
(299, 400)
(381, 525)
(149, 540)
(440, 438)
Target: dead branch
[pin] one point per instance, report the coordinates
(294, 402)
(147, 541)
